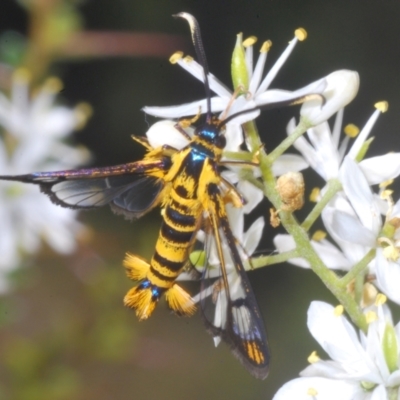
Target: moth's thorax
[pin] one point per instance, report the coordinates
(208, 141)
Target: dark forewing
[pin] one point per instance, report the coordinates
(228, 303)
(130, 189)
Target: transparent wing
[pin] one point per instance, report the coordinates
(130, 189)
(228, 303)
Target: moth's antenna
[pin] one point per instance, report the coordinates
(201, 55)
(277, 104)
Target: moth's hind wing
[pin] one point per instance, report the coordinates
(228, 303)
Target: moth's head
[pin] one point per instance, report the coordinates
(212, 133)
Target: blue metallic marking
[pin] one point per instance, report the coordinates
(145, 284)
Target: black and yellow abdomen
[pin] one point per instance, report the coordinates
(182, 215)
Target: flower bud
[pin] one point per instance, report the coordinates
(390, 348)
(290, 187)
(165, 133)
(342, 87)
(240, 75)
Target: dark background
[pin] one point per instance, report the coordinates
(67, 334)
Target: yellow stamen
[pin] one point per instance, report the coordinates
(386, 194)
(188, 59)
(274, 218)
(368, 295)
(385, 184)
(391, 253)
(301, 34)
(318, 235)
(176, 57)
(249, 41)
(83, 111)
(53, 85)
(313, 357)
(382, 106)
(266, 46)
(351, 130)
(338, 311)
(312, 392)
(380, 299)
(22, 75)
(314, 195)
(371, 316)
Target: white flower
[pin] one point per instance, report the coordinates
(342, 86)
(357, 226)
(324, 151)
(32, 130)
(258, 93)
(346, 218)
(362, 366)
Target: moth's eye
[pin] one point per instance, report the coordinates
(221, 143)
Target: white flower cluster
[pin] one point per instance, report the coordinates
(32, 130)
(363, 367)
(357, 219)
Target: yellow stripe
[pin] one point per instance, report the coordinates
(163, 270)
(161, 283)
(192, 204)
(172, 252)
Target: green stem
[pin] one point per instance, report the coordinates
(299, 234)
(263, 261)
(329, 278)
(300, 129)
(332, 188)
(357, 268)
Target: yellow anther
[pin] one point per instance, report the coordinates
(266, 46)
(391, 253)
(338, 311)
(314, 195)
(318, 235)
(386, 194)
(301, 34)
(386, 183)
(313, 357)
(380, 299)
(371, 316)
(351, 130)
(53, 85)
(176, 57)
(22, 75)
(83, 111)
(188, 59)
(312, 392)
(382, 106)
(395, 222)
(369, 294)
(274, 218)
(249, 41)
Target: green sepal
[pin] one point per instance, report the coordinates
(390, 349)
(240, 76)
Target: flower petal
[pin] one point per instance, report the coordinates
(359, 193)
(387, 276)
(381, 168)
(342, 87)
(323, 388)
(165, 133)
